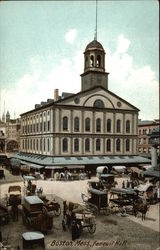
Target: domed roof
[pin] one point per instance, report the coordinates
(94, 44)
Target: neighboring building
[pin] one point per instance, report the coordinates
(94, 121)
(12, 133)
(145, 128)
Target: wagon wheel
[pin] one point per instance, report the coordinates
(92, 228)
(57, 211)
(94, 209)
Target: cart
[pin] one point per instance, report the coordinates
(122, 200)
(14, 195)
(98, 201)
(86, 220)
(35, 215)
(52, 206)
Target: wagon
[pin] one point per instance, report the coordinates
(52, 206)
(98, 201)
(86, 220)
(122, 199)
(14, 193)
(35, 215)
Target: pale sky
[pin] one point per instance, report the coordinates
(42, 45)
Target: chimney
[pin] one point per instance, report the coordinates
(56, 95)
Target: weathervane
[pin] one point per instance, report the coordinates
(95, 34)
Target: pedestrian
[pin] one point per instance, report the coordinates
(64, 208)
(64, 224)
(123, 184)
(75, 230)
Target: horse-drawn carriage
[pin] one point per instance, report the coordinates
(86, 220)
(52, 206)
(14, 195)
(122, 199)
(98, 200)
(36, 215)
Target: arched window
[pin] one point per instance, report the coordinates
(76, 124)
(98, 145)
(108, 145)
(118, 126)
(87, 145)
(44, 144)
(48, 145)
(65, 145)
(92, 61)
(127, 145)
(118, 145)
(41, 144)
(65, 123)
(98, 61)
(127, 126)
(98, 125)
(76, 145)
(109, 125)
(98, 104)
(37, 145)
(87, 124)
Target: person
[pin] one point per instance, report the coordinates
(75, 230)
(64, 208)
(63, 224)
(123, 184)
(128, 184)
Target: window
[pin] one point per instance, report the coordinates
(48, 125)
(48, 145)
(65, 145)
(41, 144)
(98, 104)
(44, 126)
(118, 145)
(76, 145)
(34, 144)
(98, 61)
(118, 126)
(127, 126)
(44, 144)
(31, 144)
(92, 61)
(37, 127)
(98, 125)
(87, 145)
(76, 124)
(98, 145)
(65, 123)
(108, 145)
(87, 124)
(37, 144)
(127, 145)
(40, 126)
(109, 125)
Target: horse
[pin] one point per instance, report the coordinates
(140, 207)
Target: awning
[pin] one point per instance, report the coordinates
(76, 167)
(36, 166)
(54, 167)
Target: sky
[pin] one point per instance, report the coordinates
(42, 45)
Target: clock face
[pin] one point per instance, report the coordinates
(76, 100)
(119, 104)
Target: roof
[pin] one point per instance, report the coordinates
(94, 44)
(33, 199)
(143, 187)
(123, 190)
(76, 94)
(44, 160)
